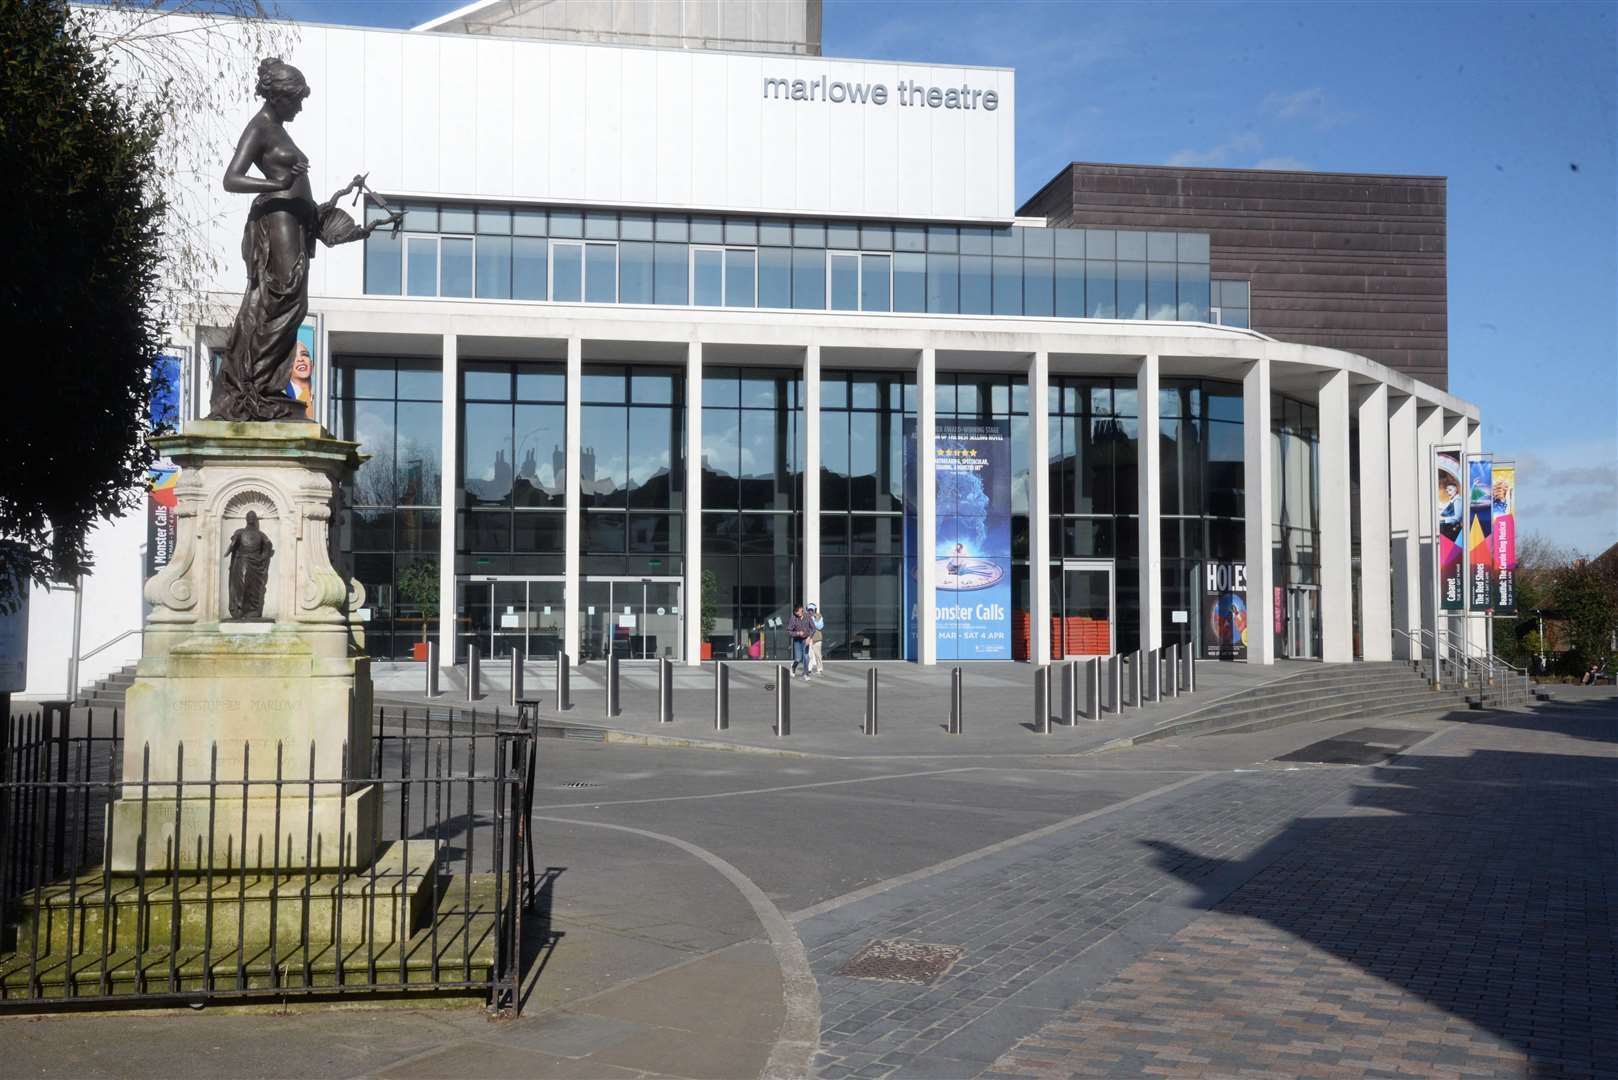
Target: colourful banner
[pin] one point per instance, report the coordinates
(972, 575)
(162, 528)
(301, 386)
(1449, 509)
(1224, 592)
(1505, 538)
(1479, 545)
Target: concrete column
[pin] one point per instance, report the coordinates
(1404, 564)
(449, 434)
(1260, 508)
(811, 474)
(693, 502)
(572, 594)
(926, 506)
(1376, 611)
(1151, 519)
(1429, 433)
(1039, 509)
(1336, 548)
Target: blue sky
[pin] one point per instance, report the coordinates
(1514, 103)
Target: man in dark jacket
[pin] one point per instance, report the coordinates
(800, 629)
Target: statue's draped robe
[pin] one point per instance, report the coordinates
(250, 552)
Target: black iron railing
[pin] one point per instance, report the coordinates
(419, 884)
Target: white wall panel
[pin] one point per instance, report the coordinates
(457, 115)
(531, 108)
(382, 119)
(673, 128)
(567, 149)
(417, 94)
(492, 109)
(332, 135)
(709, 169)
(880, 174)
(743, 132)
(811, 166)
(604, 129)
(949, 158)
(638, 165)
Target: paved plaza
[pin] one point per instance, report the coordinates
(1421, 896)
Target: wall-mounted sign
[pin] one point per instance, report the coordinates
(972, 545)
(908, 94)
(1224, 591)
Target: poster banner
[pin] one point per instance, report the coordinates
(1479, 535)
(1448, 507)
(912, 584)
(972, 552)
(162, 527)
(1224, 597)
(301, 387)
(1505, 538)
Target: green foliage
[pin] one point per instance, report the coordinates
(710, 602)
(418, 585)
(1582, 597)
(81, 232)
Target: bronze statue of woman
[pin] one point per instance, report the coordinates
(249, 553)
(277, 244)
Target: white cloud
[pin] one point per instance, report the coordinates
(1306, 106)
(1240, 145)
(1285, 161)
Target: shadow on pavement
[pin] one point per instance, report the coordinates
(1485, 885)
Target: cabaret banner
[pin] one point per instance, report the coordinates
(972, 576)
(1479, 533)
(1224, 598)
(1448, 510)
(1505, 538)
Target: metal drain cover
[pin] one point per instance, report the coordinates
(901, 961)
(580, 783)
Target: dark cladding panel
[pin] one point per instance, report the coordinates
(1346, 261)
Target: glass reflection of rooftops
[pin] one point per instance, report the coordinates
(722, 261)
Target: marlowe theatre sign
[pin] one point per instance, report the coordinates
(860, 93)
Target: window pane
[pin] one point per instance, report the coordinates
(653, 386)
(421, 266)
(603, 532)
(601, 273)
(739, 274)
(567, 223)
(977, 281)
(741, 231)
(1160, 302)
(876, 237)
(672, 228)
(528, 222)
(486, 450)
(808, 234)
(541, 440)
(495, 220)
(875, 283)
(1007, 285)
(539, 532)
(604, 453)
(635, 227)
(601, 225)
(1036, 285)
(606, 384)
(1131, 246)
(455, 219)
(543, 385)
(834, 461)
(528, 257)
(567, 272)
(492, 383)
(845, 277)
(909, 282)
(775, 234)
(707, 277)
(494, 267)
(1193, 280)
(1131, 290)
(808, 278)
(943, 282)
(840, 235)
(669, 272)
(1069, 287)
(1193, 247)
(456, 274)
(382, 264)
(863, 459)
(1099, 290)
(635, 271)
(420, 380)
(653, 452)
(943, 238)
(416, 458)
(774, 278)
(420, 217)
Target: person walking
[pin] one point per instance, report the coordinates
(817, 662)
(800, 630)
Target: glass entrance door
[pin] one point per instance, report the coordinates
(1302, 611)
(499, 613)
(1084, 609)
(635, 618)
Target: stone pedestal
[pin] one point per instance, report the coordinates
(287, 696)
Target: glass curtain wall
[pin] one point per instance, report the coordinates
(862, 564)
(1094, 435)
(752, 510)
(1202, 497)
(513, 468)
(1295, 539)
(388, 531)
(1000, 397)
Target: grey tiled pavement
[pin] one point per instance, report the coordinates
(1452, 913)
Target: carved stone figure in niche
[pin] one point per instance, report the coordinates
(278, 243)
(249, 554)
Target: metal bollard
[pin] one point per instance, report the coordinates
(564, 682)
(870, 702)
(1149, 675)
(957, 703)
(431, 689)
(473, 675)
(1092, 688)
(516, 675)
(1042, 699)
(665, 690)
(611, 689)
(721, 696)
(1171, 670)
(1188, 676)
(1115, 684)
(783, 701)
(1070, 693)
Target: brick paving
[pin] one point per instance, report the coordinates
(1457, 919)
(1449, 914)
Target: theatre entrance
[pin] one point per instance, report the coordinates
(497, 613)
(1083, 599)
(633, 617)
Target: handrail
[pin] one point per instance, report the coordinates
(107, 645)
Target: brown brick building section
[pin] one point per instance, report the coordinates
(1345, 260)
